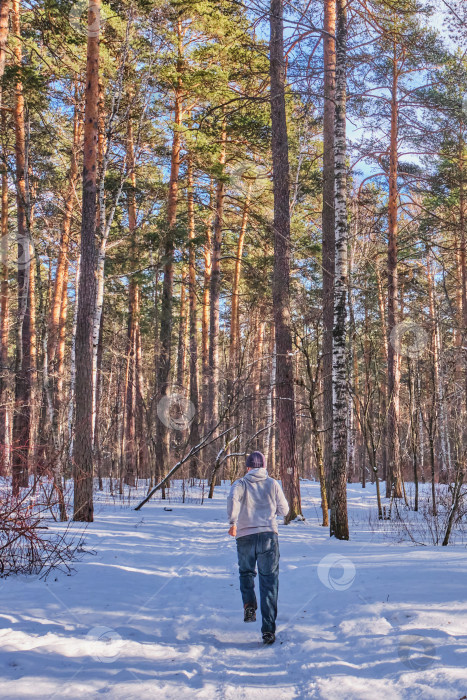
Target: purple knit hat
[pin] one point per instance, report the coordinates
(255, 460)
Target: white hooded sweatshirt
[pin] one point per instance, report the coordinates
(254, 502)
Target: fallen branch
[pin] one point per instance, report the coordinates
(194, 450)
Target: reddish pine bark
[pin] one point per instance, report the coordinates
(193, 320)
(4, 322)
(62, 261)
(83, 442)
(281, 275)
(4, 15)
(166, 315)
(22, 416)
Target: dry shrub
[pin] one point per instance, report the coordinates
(27, 544)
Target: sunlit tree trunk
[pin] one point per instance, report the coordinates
(97, 390)
(269, 444)
(23, 368)
(4, 320)
(72, 393)
(193, 319)
(212, 413)
(234, 314)
(62, 334)
(384, 387)
(101, 251)
(257, 402)
(182, 333)
(328, 224)
(5, 6)
(413, 422)
(205, 309)
(129, 450)
(62, 261)
(83, 441)
(339, 526)
(281, 274)
(444, 456)
(4, 286)
(463, 256)
(393, 482)
(166, 313)
(234, 341)
(59, 302)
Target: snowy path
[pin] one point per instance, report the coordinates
(156, 613)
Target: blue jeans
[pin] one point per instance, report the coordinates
(261, 547)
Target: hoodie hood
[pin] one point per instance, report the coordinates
(258, 474)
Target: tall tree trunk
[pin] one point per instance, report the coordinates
(257, 375)
(140, 410)
(393, 482)
(62, 328)
(72, 394)
(103, 233)
(4, 286)
(62, 262)
(353, 423)
(4, 15)
(281, 274)
(384, 387)
(414, 425)
(193, 335)
(34, 398)
(339, 526)
(234, 350)
(83, 442)
(328, 224)
(212, 414)
(22, 416)
(444, 456)
(98, 407)
(166, 315)
(59, 301)
(205, 310)
(318, 452)
(269, 445)
(131, 381)
(4, 320)
(182, 333)
(463, 256)
(234, 347)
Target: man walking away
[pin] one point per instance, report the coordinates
(253, 503)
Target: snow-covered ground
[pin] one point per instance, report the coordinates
(155, 612)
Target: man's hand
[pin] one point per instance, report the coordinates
(233, 531)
